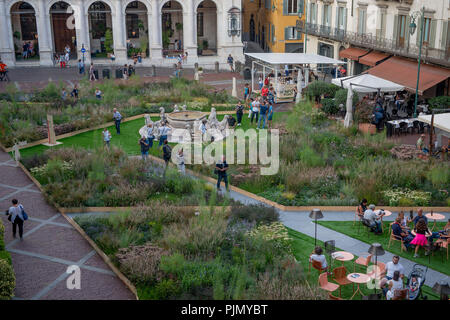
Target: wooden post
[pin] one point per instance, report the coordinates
(234, 90)
(431, 134)
(51, 132)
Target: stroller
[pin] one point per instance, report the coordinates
(415, 290)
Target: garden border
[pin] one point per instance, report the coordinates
(101, 126)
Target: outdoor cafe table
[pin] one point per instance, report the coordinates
(435, 216)
(358, 278)
(387, 213)
(342, 256)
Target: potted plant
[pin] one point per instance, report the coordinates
(205, 44)
(144, 47)
(363, 116)
(199, 48)
(16, 35)
(165, 39)
(108, 42)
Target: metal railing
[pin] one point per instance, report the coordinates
(367, 40)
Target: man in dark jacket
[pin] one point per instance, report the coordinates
(221, 169)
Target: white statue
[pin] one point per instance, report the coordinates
(16, 153)
(224, 123)
(212, 119)
(162, 114)
(147, 119)
(176, 108)
(184, 107)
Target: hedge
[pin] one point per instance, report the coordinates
(7, 277)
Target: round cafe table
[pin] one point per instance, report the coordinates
(387, 213)
(343, 256)
(360, 278)
(435, 216)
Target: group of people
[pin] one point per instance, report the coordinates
(400, 229)
(63, 58)
(27, 49)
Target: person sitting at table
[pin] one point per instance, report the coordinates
(420, 240)
(373, 219)
(404, 221)
(399, 233)
(399, 100)
(319, 257)
(446, 230)
(396, 283)
(362, 208)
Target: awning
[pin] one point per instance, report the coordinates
(373, 58)
(353, 53)
(404, 72)
(367, 83)
(440, 121)
(293, 58)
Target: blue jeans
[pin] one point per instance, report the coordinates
(221, 177)
(161, 140)
(144, 155)
(82, 70)
(150, 141)
(117, 122)
(376, 225)
(263, 117)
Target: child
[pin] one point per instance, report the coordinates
(98, 93)
(413, 286)
(180, 159)
(106, 137)
(390, 292)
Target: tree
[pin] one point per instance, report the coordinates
(109, 41)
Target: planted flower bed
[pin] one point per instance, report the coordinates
(169, 254)
(26, 121)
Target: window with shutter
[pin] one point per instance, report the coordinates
(445, 35)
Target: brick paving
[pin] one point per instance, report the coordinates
(50, 244)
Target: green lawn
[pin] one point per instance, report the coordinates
(303, 245)
(128, 138)
(347, 228)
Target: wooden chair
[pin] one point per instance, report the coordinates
(318, 266)
(444, 244)
(400, 294)
(357, 215)
(340, 277)
(366, 224)
(325, 285)
(330, 295)
(393, 237)
(362, 261)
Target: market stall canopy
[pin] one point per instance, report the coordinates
(370, 83)
(353, 53)
(293, 58)
(440, 121)
(404, 72)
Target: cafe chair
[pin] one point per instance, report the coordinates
(366, 224)
(362, 261)
(318, 266)
(381, 272)
(357, 215)
(403, 127)
(393, 237)
(444, 244)
(340, 277)
(325, 285)
(416, 126)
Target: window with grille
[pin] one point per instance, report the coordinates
(293, 6)
(200, 24)
(132, 26)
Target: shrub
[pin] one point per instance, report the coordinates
(341, 97)
(318, 88)
(329, 106)
(141, 263)
(7, 280)
(255, 213)
(441, 102)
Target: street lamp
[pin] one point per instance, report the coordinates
(301, 8)
(377, 250)
(315, 214)
(412, 29)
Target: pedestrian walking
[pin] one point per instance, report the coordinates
(91, 73)
(180, 161)
(221, 171)
(67, 58)
(106, 137)
(62, 61)
(25, 50)
(203, 129)
(239, 113)
(80, 66)
(17, 215)
(246, 92)
(230, 61)
(163, 131)
(131, 70)
(144, 143)
(117, 118)
(63, 94)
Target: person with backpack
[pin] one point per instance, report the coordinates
(17, 215)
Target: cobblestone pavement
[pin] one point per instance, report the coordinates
(50, 244)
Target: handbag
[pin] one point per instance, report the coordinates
(24, 214)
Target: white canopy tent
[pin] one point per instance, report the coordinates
(275, 61)
(363, 83)
(367, 83)
(440, 121)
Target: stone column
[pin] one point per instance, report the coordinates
(188, 31)
(43, 27)
(81, 30)
(155, 32)
(6, 45)
(118, 29)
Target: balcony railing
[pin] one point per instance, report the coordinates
(367, 40)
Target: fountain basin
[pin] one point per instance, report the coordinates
(180, 119)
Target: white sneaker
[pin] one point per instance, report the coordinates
(416, 255)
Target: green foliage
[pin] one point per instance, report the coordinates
(109, 41)
(7, 280)
(319, 88)
(329, 106)
(341, 97)
(254, 213)
(441, 102)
